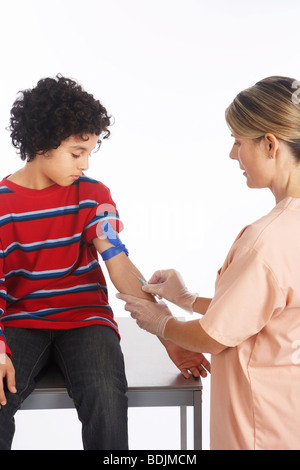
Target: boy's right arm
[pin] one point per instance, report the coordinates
(7, 371)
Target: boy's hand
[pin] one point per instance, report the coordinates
(7, 371)
(188, 362)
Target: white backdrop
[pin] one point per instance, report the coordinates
(166, 70)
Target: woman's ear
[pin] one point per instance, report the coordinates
(271, 145)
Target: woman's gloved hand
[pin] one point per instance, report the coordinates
(168, 284)
(150, 316)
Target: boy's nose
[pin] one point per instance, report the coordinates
(84, 163)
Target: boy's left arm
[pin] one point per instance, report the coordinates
(124, 276)
(122, 272)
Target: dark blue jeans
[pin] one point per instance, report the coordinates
(91, 361)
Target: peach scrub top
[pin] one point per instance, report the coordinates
(255, 384)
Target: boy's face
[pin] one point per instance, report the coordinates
(65, 164)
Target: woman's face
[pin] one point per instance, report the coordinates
(255, 161)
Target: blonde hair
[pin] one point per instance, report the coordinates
(270, 106)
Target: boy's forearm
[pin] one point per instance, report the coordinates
(124, 276)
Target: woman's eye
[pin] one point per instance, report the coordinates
(75, 156)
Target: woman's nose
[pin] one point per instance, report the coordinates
(233, 153)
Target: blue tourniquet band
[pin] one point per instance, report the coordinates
(113, 238)
(113, 251)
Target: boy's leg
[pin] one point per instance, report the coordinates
(92, 363)
(30, 350)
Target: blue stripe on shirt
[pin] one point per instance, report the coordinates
(46, 213)
(40, 294)
(51, 274)
(40, 245)
(40, 314)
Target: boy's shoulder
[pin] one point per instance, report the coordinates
(89, 185)
(83, 189)
(4, 189)
(93, 191)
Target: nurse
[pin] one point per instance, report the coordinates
(251, 327)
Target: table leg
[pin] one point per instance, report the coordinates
(183, 428)
(197, 420)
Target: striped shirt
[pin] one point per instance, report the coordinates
(50, 276)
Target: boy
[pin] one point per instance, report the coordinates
(53, 296)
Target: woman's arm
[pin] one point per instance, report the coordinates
(201, 305)
(158, 320)
(190, 335)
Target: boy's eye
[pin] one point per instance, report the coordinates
(77, 156)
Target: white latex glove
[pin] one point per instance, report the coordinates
(168, 284)
(149, 316)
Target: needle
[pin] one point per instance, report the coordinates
(144, 282)
(139, 278)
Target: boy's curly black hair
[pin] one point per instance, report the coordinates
(44, 116)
